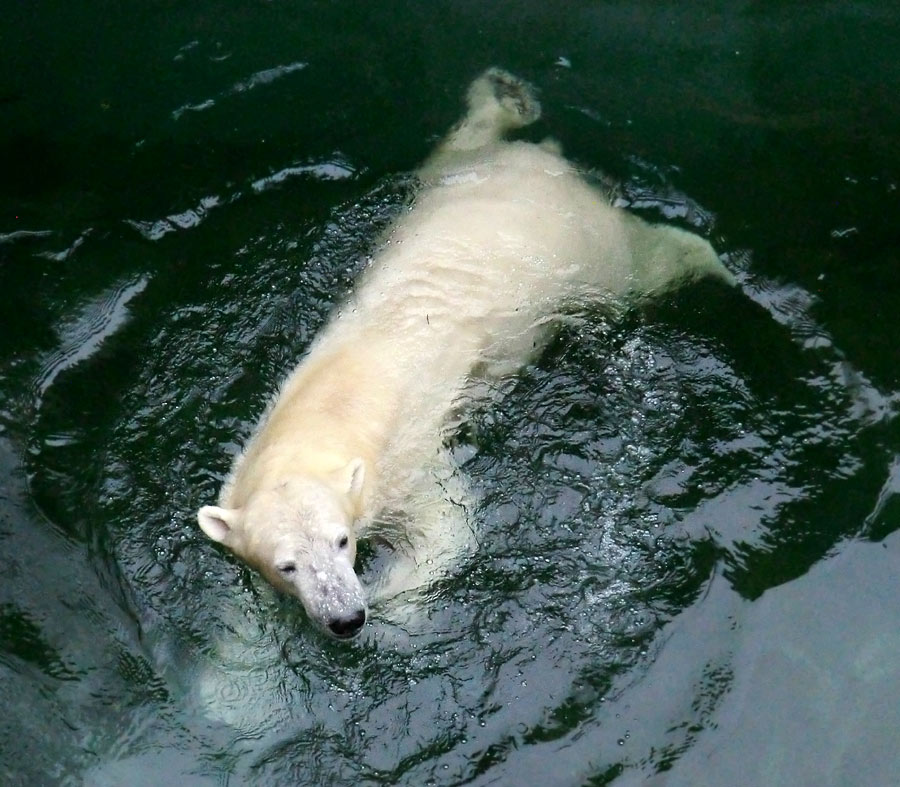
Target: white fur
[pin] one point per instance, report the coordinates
(503, 237)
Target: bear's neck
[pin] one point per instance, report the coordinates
(336, 407)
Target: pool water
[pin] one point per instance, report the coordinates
(688, 512)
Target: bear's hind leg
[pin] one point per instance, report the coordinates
(665, 257)
(498, 102)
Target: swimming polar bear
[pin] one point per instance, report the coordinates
(502, 237)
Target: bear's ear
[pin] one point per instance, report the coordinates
(351, 477)
(218, 523)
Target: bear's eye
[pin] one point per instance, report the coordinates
(287, 568)
(342, 544)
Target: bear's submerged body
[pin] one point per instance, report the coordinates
(502, 238)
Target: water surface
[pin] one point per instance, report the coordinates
(687, 573)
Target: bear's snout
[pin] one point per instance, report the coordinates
(348, 626)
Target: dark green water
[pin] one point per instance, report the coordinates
(688, 569)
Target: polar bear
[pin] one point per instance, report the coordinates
(503, 236)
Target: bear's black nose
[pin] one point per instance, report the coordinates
(348, 626)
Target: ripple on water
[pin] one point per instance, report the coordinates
(616, 477)
(265, 76)
(81, 335)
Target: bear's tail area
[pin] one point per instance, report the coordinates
(498, 102)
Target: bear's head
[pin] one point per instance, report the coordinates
(300, 536)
